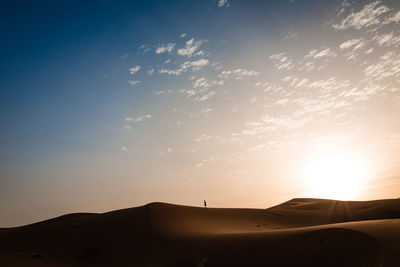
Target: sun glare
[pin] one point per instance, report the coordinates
(336, 175)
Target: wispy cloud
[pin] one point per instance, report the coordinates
(143, 49)
(316, 59)
(207, 161)
(133, 82)
(353, 43)
(388, 39)
(393, 18)
(237, 74)
(188, 65)
(387, 66)
(291, 35)
(170, 72)
(364, 92)
(190, 48)
(217, 139)
(269, 124)
(133, 70)
(282, 62)
(139, 118)
(353, 48)
(368, 16)
(150, 71)
(165, 48)
(200, 90)
(222, 3)
(322, 52)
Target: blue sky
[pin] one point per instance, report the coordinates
(110, 104)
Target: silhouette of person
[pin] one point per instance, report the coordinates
(205, 204)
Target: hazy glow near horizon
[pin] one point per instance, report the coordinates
(113, 104)
(337, 175)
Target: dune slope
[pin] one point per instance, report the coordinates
(300, 232)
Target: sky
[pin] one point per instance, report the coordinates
(115, 104)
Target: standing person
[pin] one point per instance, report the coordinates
(205, 204)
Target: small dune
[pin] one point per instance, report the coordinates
(300, 232)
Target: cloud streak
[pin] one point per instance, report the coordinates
(165, 48)
(190, 49)
(133, 70)
(133, 82)
(370, 15)
(139, 118)
(195, 65)
(222, 3)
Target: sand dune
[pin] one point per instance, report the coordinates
(300, 232)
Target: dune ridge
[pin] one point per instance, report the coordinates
(300, 232)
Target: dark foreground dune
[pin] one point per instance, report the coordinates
(300, 232)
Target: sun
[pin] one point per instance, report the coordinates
(336, 174)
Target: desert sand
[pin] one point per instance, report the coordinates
(299, 232)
